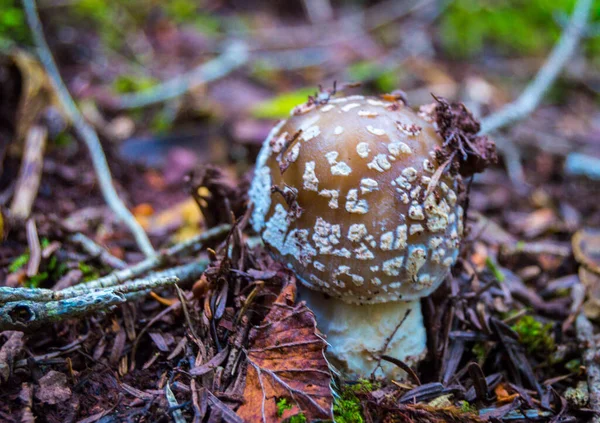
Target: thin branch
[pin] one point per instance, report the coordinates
(183, 273)
(533, 94)
(30, 174)
(585, 335)
(27, 315)
(85, 132)
(234, 56)
(35, 250)
(97, 251)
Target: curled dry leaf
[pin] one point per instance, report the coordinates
(586, 248)
(9, 351)
(53, 388)
(36, 94)
(286, 361)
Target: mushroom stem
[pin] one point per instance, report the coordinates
(359, 334)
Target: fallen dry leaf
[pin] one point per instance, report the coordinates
(586, 248)
(37, 91)
(53, 388)
(9, 351)
(285, 360)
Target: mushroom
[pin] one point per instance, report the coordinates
(346, 193)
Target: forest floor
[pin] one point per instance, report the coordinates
(510, 333)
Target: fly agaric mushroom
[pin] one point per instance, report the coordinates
(346, 192)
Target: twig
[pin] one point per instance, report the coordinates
(180, 273)
(585, 334)
(183, 273)
(27, 315)
(30, 173)
(191, 246)
(35, 250)
(560, 55)
(85, 132)
(234, 56)
(97, 251)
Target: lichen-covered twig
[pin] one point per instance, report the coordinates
(560, 55)
(183, 273)
(585, 335)
(27, 315)
(191, 246)
(97, 251)
(233, 56)
(85, 131)
(30, 173)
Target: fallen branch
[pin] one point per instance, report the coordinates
(27, 315)
(532, 95)
(191, 246)
(85, 132)
(35, 250)
(585, 335)
(234, 56)
(183, 273)
(30, 173)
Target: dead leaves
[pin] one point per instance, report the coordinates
(286, 362)
(9, 351)
(37, 92)
(53, 388)
(586, 249)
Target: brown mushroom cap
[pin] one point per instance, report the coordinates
(347, 210)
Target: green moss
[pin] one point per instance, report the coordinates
(280, 106)
(574, 366)
(535, 335)
(525, 27)
(384, 79)
(133, 83)
(494, 268)
(480, 352)
(13, 28)
(347, 407)
(50, 269)
(298, 418)
(466, 407)
(89, 273)
(363, 386)
(18, 263)
(282, 405)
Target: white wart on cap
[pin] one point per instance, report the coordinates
(339, 195)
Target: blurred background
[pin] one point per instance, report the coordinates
(241, 65)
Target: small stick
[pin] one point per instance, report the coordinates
(191, 246)
(183, 273)
(532, 95)
(97, 251)
(86, 132)
(585, 334)
(30, 172)
(27, 315)
(35, 250)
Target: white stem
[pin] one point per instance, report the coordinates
(359, 334)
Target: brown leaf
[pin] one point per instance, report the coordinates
(37, 92)
(53, 388)
(586, 248)
(9, 351)
(286, 360)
